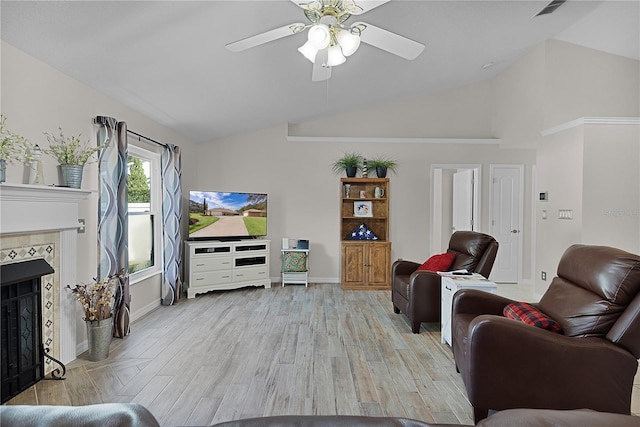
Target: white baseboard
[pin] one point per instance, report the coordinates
(82, 346)
(144, 310)
(278, 279)
(324, 280)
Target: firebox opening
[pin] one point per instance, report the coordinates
(22, 363)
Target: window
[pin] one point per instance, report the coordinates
(145, 214)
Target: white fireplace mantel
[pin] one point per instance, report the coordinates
(37, 208)
(32, 209)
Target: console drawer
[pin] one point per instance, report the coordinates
(211, 277)
(250, 273)
(210, 263)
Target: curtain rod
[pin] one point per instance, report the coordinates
(148, 139)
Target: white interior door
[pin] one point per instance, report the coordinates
(463, 200)
(506, 220)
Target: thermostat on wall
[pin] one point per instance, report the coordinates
(544, 196)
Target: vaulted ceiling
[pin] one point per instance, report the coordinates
(167, 59)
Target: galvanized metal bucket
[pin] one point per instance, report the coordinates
(71, 175)
(99, 334)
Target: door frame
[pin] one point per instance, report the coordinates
(434, 246)
(467, 202)
(520, 201)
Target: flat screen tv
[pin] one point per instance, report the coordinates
(222, 215)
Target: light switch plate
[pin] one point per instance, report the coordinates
(565, 213)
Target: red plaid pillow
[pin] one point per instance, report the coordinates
(530, 315)
(440, 262)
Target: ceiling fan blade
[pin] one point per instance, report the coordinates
(391, 42)
(367, 5)
(265, 37)
(320, 71)
(308, 4)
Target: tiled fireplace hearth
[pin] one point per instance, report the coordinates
(42, 222)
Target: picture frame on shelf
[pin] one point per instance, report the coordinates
(362, 209)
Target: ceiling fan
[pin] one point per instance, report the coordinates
(330, 39)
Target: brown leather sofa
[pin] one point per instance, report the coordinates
(136, 415)
(417, 293)
(507, 363)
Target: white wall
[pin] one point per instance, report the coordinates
(519, 99)
(463, 112)
(583, 82)
(592, 170)
(611, 200)
(560, 173)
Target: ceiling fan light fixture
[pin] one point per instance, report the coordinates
(319, 36)
(330, 40)
(335, 56)
(348, 42)
(308, 51)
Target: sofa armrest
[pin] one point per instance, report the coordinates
(473, 301)
(98, 415)
(511, 364)
(403, 267)
(327, 421)
(551, 417)
(424, 284)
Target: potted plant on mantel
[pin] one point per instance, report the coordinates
(97, 300)
(349, 163)
(382, 165)
(71, 154)
(12, 147)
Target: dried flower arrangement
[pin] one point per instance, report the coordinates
(97, 298)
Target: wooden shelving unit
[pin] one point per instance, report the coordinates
(365, 264)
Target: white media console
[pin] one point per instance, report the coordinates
(218, 265)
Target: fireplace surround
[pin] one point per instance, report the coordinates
(42, 222)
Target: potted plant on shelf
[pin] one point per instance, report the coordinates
(97, 300)
(71, 154)
(349, 163)
(382, 165)
(12, 147)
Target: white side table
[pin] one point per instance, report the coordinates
(450, 285)
(299, 277)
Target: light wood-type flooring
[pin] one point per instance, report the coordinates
(285, 350)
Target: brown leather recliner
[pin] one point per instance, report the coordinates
(417, 293)
(506, 363)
